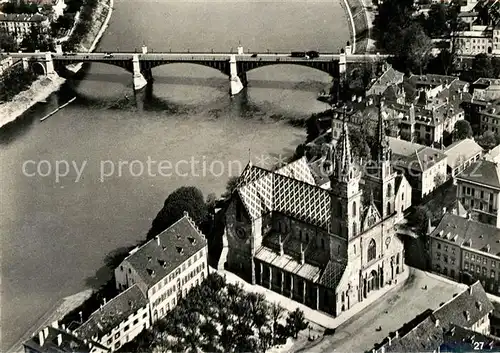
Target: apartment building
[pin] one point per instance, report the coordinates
(420, 164)
(434, 330)
(118, 321)
(53, 339)
(166, 267)
(489, 117)
(466, 250)
(461, 154)
(20, 24)
(486, 89)
(478, 187)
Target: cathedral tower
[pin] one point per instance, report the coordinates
(345, 192)
(381, 177)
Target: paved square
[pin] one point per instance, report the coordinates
(394, 309)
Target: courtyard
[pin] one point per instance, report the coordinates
(395, 308)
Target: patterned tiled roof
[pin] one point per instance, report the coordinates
(283, 192)
(333, 273)
(160, 256)
(114, 312)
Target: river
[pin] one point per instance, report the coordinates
(56, 233)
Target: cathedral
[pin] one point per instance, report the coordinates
(328, 246)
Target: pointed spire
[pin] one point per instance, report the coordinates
(343, 159)
(429, 226)
(383, 153)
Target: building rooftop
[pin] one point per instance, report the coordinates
(469, 233)
(460, 339)
(484, 82)
(461, 151)
(464, 309)
(11, 17)
(167, 251)
(52, 339)
(111, 314)
(414, 156)
(484, 172)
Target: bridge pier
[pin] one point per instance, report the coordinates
(235, 81)
(139, 80)
(342, 62)
(49, 64)
(26, 64)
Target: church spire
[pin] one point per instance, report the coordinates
(383, 153)
(343, 163)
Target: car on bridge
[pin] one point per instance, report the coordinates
(108, 55)
(312, 54)
(254, 55)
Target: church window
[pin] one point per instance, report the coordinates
(389, 190)
(239, 211)
(300, 234)
(397, 259)
(354, 208)
(323, 244)
(338, 250)
(339, 209)
(307, 237)
(388, 208)
(354, 249)
(403, 196)
(372, 250)
(354, 228)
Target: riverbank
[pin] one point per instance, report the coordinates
(360, 23)
(44, 86)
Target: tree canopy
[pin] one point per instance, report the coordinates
(185, 199)
(462, 130)
(7, 42)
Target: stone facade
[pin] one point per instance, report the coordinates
(327, 248)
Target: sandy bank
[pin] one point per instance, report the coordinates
(45, 86)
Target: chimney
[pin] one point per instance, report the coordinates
(437, 322)
(370, 101)
(41, 338)
(59, 340)
(470, 290)
(158, 240)
(390, 340)
(282, 252)
(396, 334)
(63, 326)
(55, 324)
(467, 315)
(360, 99)
(46, 332)
(444, 210)
(104, 301)
(302, 254)
(353, 98)
(469, 215)
(429, 226)
(479, 306)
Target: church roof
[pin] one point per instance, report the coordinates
(290, 190)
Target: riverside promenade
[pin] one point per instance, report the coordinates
(360, 15)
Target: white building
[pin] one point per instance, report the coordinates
(20, 24)
(461, 154)
(118, 321)
(167, 267)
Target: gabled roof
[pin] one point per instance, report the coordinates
(58, 340)
(114, 312)
(461, 151)
(469, 233)
(464, 309)
(414, 156)
(460, 339)
(483, 172)
(167, 251)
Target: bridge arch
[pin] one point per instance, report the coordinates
(219, 65)
(124, 64)
(329, 67)
(38, 68)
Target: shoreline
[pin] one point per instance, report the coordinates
(359, 28)
(44, 86)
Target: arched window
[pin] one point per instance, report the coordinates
(354, 209)
(389, 190)
(372, 250)
(397, 259)
(300, 235)
(354, 249)
(403, 196)
(307, 237)
(354, 228)
(339, 209)
(323, 244)
(388, 208)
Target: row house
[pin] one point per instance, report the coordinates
(19, 25)
(461, 154)
(466, 250)
(478, 188)
(462, 318)
(118, 321)
(166, 267)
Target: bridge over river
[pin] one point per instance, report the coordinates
(234, 65)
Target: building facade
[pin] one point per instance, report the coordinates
(118, 321)
(478, 187)
(461, 154)
(19, 25)
(328, 248)
(467, 250)
(167, 267)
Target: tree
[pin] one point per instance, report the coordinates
(295, 322)
(436, 22)
(481, 67)
(415, 49)
(231, 185)
(488, 140)
(7, 42)
(185, 199)
(462, 130)
(276, 313)
(439, 179)
(36, 40)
